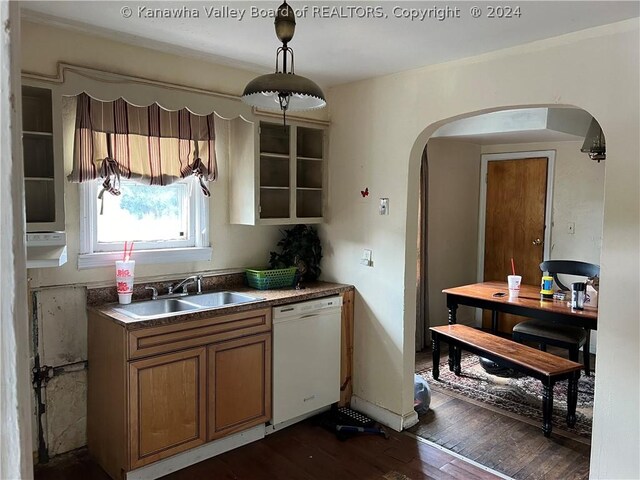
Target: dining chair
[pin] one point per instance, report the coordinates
(564, 336)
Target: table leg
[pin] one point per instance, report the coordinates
(453, 307)
(547, 406)
(494, 321)
(435, 344)
(572, 399)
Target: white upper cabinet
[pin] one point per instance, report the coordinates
(277, 173)
(41, 145)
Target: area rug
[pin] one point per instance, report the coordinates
(521, 396)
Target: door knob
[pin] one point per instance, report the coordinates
(537, 241)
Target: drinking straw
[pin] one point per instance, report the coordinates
(130, 251)
(513, 267)
(124, 253)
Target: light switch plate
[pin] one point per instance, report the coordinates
(384, 206)
(366, 258)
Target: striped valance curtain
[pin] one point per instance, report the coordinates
(149, 145)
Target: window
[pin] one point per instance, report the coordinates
(167, 224)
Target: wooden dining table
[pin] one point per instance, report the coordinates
(494, 296)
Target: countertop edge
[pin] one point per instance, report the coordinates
(272, 298)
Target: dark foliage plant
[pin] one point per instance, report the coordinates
(300, 247)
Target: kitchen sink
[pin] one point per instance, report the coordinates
(164, 307)
(220, 299)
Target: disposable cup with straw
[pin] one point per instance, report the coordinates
(513, 281)
(125, 274)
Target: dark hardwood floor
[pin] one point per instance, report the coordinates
(304, 452)
(508, 445)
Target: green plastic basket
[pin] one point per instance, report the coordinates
(265, 279)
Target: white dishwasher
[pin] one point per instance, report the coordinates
(306, 359)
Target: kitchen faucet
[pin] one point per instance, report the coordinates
(197, 279)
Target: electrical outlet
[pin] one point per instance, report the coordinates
(571, 228)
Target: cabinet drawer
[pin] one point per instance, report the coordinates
(169, 338)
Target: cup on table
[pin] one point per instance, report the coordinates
(124, 280)
(513, 281)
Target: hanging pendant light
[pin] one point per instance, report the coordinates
(594, 144)
(284, 90)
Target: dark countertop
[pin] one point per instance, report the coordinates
(272, 298)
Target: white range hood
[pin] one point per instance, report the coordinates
(46, 249)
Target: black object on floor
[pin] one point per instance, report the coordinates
(498, 370)
(345, 423)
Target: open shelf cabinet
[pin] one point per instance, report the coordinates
(277, 173)
(42, 173)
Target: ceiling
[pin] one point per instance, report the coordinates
(334, 42)
(528, 125)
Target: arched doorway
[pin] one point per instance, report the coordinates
(454, 211)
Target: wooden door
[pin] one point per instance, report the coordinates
(514, 224)
(239, 384)
(167, 404)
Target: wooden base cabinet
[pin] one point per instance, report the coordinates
(158, 391)
(239, 384)
(167, 405)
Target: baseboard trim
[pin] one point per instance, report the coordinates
(182, 460)
(384, 416)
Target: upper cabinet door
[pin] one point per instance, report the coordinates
(239, 384)
(167, 401)
(277, 173)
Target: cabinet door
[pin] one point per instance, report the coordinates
(239, 384)
(167, 404)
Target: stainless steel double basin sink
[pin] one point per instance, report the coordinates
(163, 307)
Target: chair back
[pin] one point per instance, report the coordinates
(569, 267)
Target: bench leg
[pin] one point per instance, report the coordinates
(456, 359)
(547, 406)
(452, 321)
(435, 344)
(572, 399)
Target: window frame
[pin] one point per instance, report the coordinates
(195, 248)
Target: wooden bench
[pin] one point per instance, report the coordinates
(544, 366)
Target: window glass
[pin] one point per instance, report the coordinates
(144, 213)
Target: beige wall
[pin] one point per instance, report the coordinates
(454, 188)
(377, 139)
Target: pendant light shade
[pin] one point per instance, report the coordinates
(284, 90)
(266, 90)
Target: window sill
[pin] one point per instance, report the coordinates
(146, 257)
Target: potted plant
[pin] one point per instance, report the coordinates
(301, 248)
